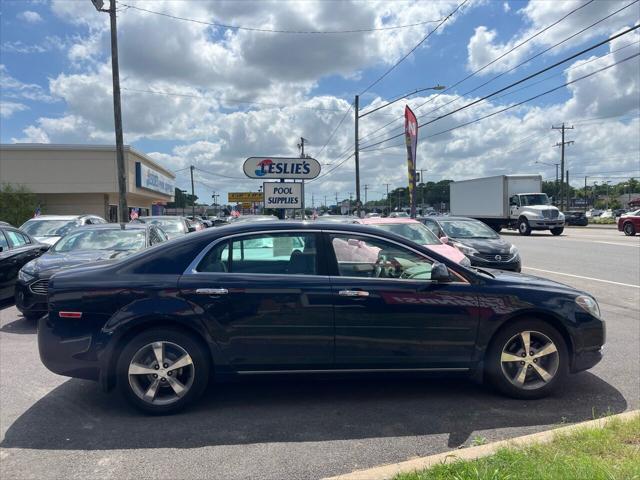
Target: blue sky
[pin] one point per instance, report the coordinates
(56, 84)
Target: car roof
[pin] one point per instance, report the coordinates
(115, 226)
(447, 218)
(60, 217)
(178, 217)
(385, 220)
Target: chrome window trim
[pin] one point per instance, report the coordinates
(192, 268)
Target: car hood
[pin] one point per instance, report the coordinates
(448, 251)
(540, 208)
(48, 240)
(486, 245)
(52, 262)
(523, 279)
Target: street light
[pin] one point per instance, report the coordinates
(358, 116)
(117, 109)
(555, 193)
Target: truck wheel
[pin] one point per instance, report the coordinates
(496, 228)
(629, 229)
(523, 227)
(557, 231)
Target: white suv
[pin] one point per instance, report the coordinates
(50, 228)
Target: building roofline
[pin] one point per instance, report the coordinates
(75, 146)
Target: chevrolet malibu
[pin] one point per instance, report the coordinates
(279, 297)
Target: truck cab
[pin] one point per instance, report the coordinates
(533, 211)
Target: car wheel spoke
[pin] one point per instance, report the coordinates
(158, 351)
(510, 357)
(178, 387)
(138, 369)
(183, 361)
(548, 349)
(522, 375)
(526, 341)
(151, 392)
(546, 376)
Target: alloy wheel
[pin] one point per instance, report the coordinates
(161, 373)
(529, 360)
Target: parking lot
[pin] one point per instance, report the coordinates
(54, 427)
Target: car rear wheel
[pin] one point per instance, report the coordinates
(557, 231)
(629, 229)
(161, 371)
(523, 227)
(527, 359)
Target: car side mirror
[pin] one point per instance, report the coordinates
(444, 239)
(1, 249)
(439, 272)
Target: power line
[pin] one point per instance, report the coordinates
(272, 30)
(528, 77)
(424, 39)
(219, 174)
(513, 68)
(335, 130)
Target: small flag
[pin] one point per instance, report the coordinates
(134, 214)
(36, 213)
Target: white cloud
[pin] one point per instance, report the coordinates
(483, 45)
(506, 7)
(9, 108)
(15, 89)
(30, 16)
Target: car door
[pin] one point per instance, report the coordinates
(7, 268)
(22, 250)
(266, 300)
(390, 315)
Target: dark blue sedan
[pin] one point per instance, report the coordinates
(308, 298)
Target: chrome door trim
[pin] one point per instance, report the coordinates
(353, 370)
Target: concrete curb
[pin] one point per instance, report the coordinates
(386, 472)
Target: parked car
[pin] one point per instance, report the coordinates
(480, 243)
(16, 249)
(160, 324)
(51, 228)
(195, 224)
(593, 213)
(607, 214)
(5, 224)
(417, 232)
(629, 223)
(90, 244)
(253, 218)
(576, 218)
(618, 212)
(399, 215)
(173, 226)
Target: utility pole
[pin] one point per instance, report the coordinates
(568, 194)
(117, 110)
(193, 194)
(561, 145)
(585, 193)
(388, 200)
(337, 209)
(325, 202)
(366, 187)
(422, 189)
(357, 153)
(350, 200)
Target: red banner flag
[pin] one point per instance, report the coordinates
(411, 135)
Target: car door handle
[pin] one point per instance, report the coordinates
(353, 293)
(211, 291)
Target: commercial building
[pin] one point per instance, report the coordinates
(82, 179)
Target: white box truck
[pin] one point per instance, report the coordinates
(506, 201)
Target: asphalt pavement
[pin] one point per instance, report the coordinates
(53, 427)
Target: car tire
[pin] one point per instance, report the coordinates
(523, 227)
(557, 231)
(542, 374)
(171, 390)
(629, 229)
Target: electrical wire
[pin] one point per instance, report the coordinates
(219, 174)
(271, 30)
(335, 130)
(522, 80)
(424, 39)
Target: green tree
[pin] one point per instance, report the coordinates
(17, 204)
(182, 200)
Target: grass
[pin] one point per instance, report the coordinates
(609, 453)
(603, 221)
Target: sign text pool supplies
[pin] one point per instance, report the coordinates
(282, 195)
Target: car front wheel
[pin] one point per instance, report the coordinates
(629, 229)
(527, 359)
(557, 231)
(161, 371)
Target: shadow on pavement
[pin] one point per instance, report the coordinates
(20, 326)
(78, 416)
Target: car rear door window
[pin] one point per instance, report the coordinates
(370, 257)
(271, 254)
(3, 242)
(16, 239)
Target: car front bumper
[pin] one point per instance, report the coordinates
(27, 301)
(546, 223)
(513, 265)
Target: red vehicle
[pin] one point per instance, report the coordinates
(629, 223)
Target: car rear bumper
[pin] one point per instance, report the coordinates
(65, 355)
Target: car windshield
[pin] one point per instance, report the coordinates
(169, 225)
(48, 228)
(116, 239)
(534, 199)
(415, 232)
(467, 229)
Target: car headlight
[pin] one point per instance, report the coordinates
(513, 251)
(589, 305)
(467, 250)
(560, 216)
(25, 276)
(465, 262)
